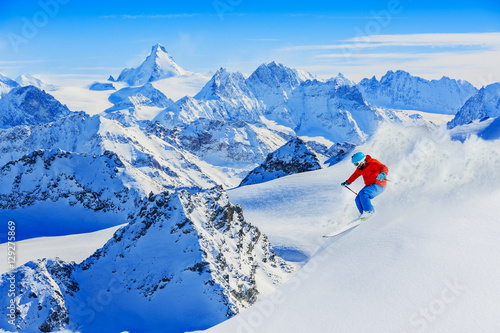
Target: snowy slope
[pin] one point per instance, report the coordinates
(492, 131)
(80, 98)
(25, 80)
(486, 103)
(76, 247)
(176, 87)
(425, 262)
(6, 84)
(190, 246)
(400, 90)
(143, 95)
(133, 104)
(29, 106)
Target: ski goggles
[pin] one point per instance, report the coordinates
(359, 162)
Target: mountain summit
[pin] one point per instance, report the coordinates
(401, 90)
(158, 65)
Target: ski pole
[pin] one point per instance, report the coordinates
(347, 187)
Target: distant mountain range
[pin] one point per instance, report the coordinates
(400, 90)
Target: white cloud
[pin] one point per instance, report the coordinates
(156, 16)
(264, 39)
(488, 39)
(470, 56)
(20, 62)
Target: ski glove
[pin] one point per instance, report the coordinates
(345, 184)
(381, 176)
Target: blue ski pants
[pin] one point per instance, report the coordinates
(365, 195)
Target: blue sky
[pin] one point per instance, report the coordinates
(87, 40)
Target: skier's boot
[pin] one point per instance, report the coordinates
(365, 216)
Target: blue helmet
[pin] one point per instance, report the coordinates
(358, 158)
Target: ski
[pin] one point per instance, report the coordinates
(344, 229)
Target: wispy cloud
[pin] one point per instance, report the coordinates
(433, 39)
(486, 40)
(264, 39)
(374, 55)
(156, 16)
(330, 47)
(470, 56)
(97, 68)
(21, 62)
(340, 17)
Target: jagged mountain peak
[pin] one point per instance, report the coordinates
(158, 48)
(30, 80)
(7, 80)
(224, 84)
(401, 90)
(273, 83)
(295, 156)
(396, 75)
(192, 246)
(280, 74)
(158, 65)
(29, 106)
(275, 73)
(6, 84)
(484, 104)
(341, 80)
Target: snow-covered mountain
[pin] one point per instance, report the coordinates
(95, 182)
(293, 157)
(29, 80)
(486, 103)
(223, 143)
(158, 65)
(338, 151)
(194, 255)
(334, 109)
(6, 84)
(133, 104)
(29, 106)
(233, 148)
(145, 95)
(102, 86)
(400, 90)
(152, 164)
(225, 97)
(273, 83)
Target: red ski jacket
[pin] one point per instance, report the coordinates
(370, 171)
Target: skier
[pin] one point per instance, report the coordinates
(374, 174)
